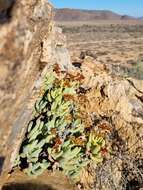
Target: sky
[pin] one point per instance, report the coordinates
(129, 7)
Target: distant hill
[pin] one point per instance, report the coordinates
(87, 15)
(141, 18)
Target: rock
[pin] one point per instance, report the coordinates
(83, 54)
(46, 181)
(62, 56)
(29, 45)
(5, 10)
(20, 51)
(119, 101)
(90, 68)
(5, 4)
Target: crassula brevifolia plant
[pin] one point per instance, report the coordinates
(57, 138)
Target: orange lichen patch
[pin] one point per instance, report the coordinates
(58, 142)
(78, 141)
(105, 127)
(68, 97)
(69, 76)
(104, 151)
(67, 83)
(83, 103)
(79, 77)
(57, 69)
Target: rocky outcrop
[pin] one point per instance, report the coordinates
(20, 53)
(29, 45)
(47, 181)
(117, 98)
(119, 102)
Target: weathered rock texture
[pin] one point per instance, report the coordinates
(118, 101)
(29, 43)
(47, 181)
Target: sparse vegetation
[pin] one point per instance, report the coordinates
(57, 137)
(137, 71)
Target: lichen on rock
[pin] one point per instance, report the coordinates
(113, 105)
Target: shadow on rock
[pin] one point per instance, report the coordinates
(25, 186)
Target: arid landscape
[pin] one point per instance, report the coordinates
(116, 41)
(71, 98)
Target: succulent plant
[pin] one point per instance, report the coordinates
(56, 134)
(94, 145)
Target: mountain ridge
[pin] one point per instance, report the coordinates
(69, 14)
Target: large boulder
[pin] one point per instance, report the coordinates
(29, 44)
(118, 101)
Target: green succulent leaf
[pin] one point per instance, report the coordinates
(53, 134)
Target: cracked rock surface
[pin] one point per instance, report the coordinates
(29, 45)
(117, 100)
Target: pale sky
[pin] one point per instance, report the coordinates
(129, 7)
